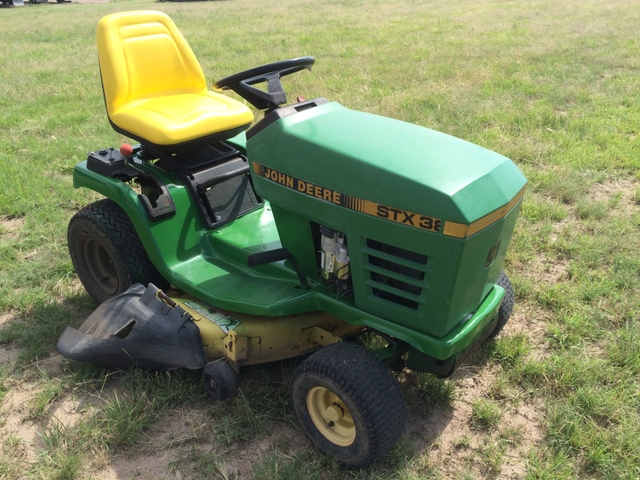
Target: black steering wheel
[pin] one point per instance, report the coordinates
(242, 82)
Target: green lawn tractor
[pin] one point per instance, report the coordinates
(223, 242)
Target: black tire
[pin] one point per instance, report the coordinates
(348, 403)
(107, 252)
(220, 379)
(506, 307)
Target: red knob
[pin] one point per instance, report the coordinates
(126, 150)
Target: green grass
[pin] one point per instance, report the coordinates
(485, 414)
(552, 85)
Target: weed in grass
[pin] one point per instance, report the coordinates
(166, 389)
(85, 436)
(537, 208)
(11, 457)
(511, 435)
(592, 209)
(566, 184)
(598, 405)
(239, 421)
(463, 442)
(55, 436)
(485, 414)
(508, 352)
(37, 331)
(547, 463)
(204, 465)
(401, 456)
(81, 375)
(491, 456)
(6, 471)
(468, 474)
(62, 457)
(43, 398)
(502, 390)
(560, 339)
(59, 466)
(623, 351)
(600, 420)
(554, 297)
(437, 392)
(125, 419)
(285, 466)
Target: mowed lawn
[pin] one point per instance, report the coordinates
(555, 86)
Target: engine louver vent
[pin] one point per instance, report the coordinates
(396, 275)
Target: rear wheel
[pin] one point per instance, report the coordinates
(348, 403)
(506, 307)
(107, 252)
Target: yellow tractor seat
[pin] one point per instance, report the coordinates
(154, 88)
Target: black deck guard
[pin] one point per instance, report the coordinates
(136, 328)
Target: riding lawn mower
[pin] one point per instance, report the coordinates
(223, 243)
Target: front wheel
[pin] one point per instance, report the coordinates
(348, 403)
(107, 252)
(506, 307)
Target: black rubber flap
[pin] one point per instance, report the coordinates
(136, 328)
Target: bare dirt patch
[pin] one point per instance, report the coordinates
(51, 364)
(549, 271)
(620, 193)
(152, 466)
(10, 228)
(612, 188)
(182, 439)
(8, 355)
(531, 323)
(66, 412)
(5, 318)
(450, 439)
(240, 458)
(628, 190)
(16, 424)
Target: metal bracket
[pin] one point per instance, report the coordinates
(321, 336)
(236, 346)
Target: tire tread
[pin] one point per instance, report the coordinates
(111, 219)
(506, 307)
(370, 386)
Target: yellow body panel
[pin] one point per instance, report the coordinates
(153, 85)
(250, 339)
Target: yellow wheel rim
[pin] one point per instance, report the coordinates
(330, 416)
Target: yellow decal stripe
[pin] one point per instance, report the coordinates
(403, 217)
(461, 230)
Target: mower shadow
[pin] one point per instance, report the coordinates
(431, 409)
(36, 331)
(259, 424)
(263, 401)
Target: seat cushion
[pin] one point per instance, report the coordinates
(154, 88)
(181, 118)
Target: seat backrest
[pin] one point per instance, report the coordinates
(142, 55)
